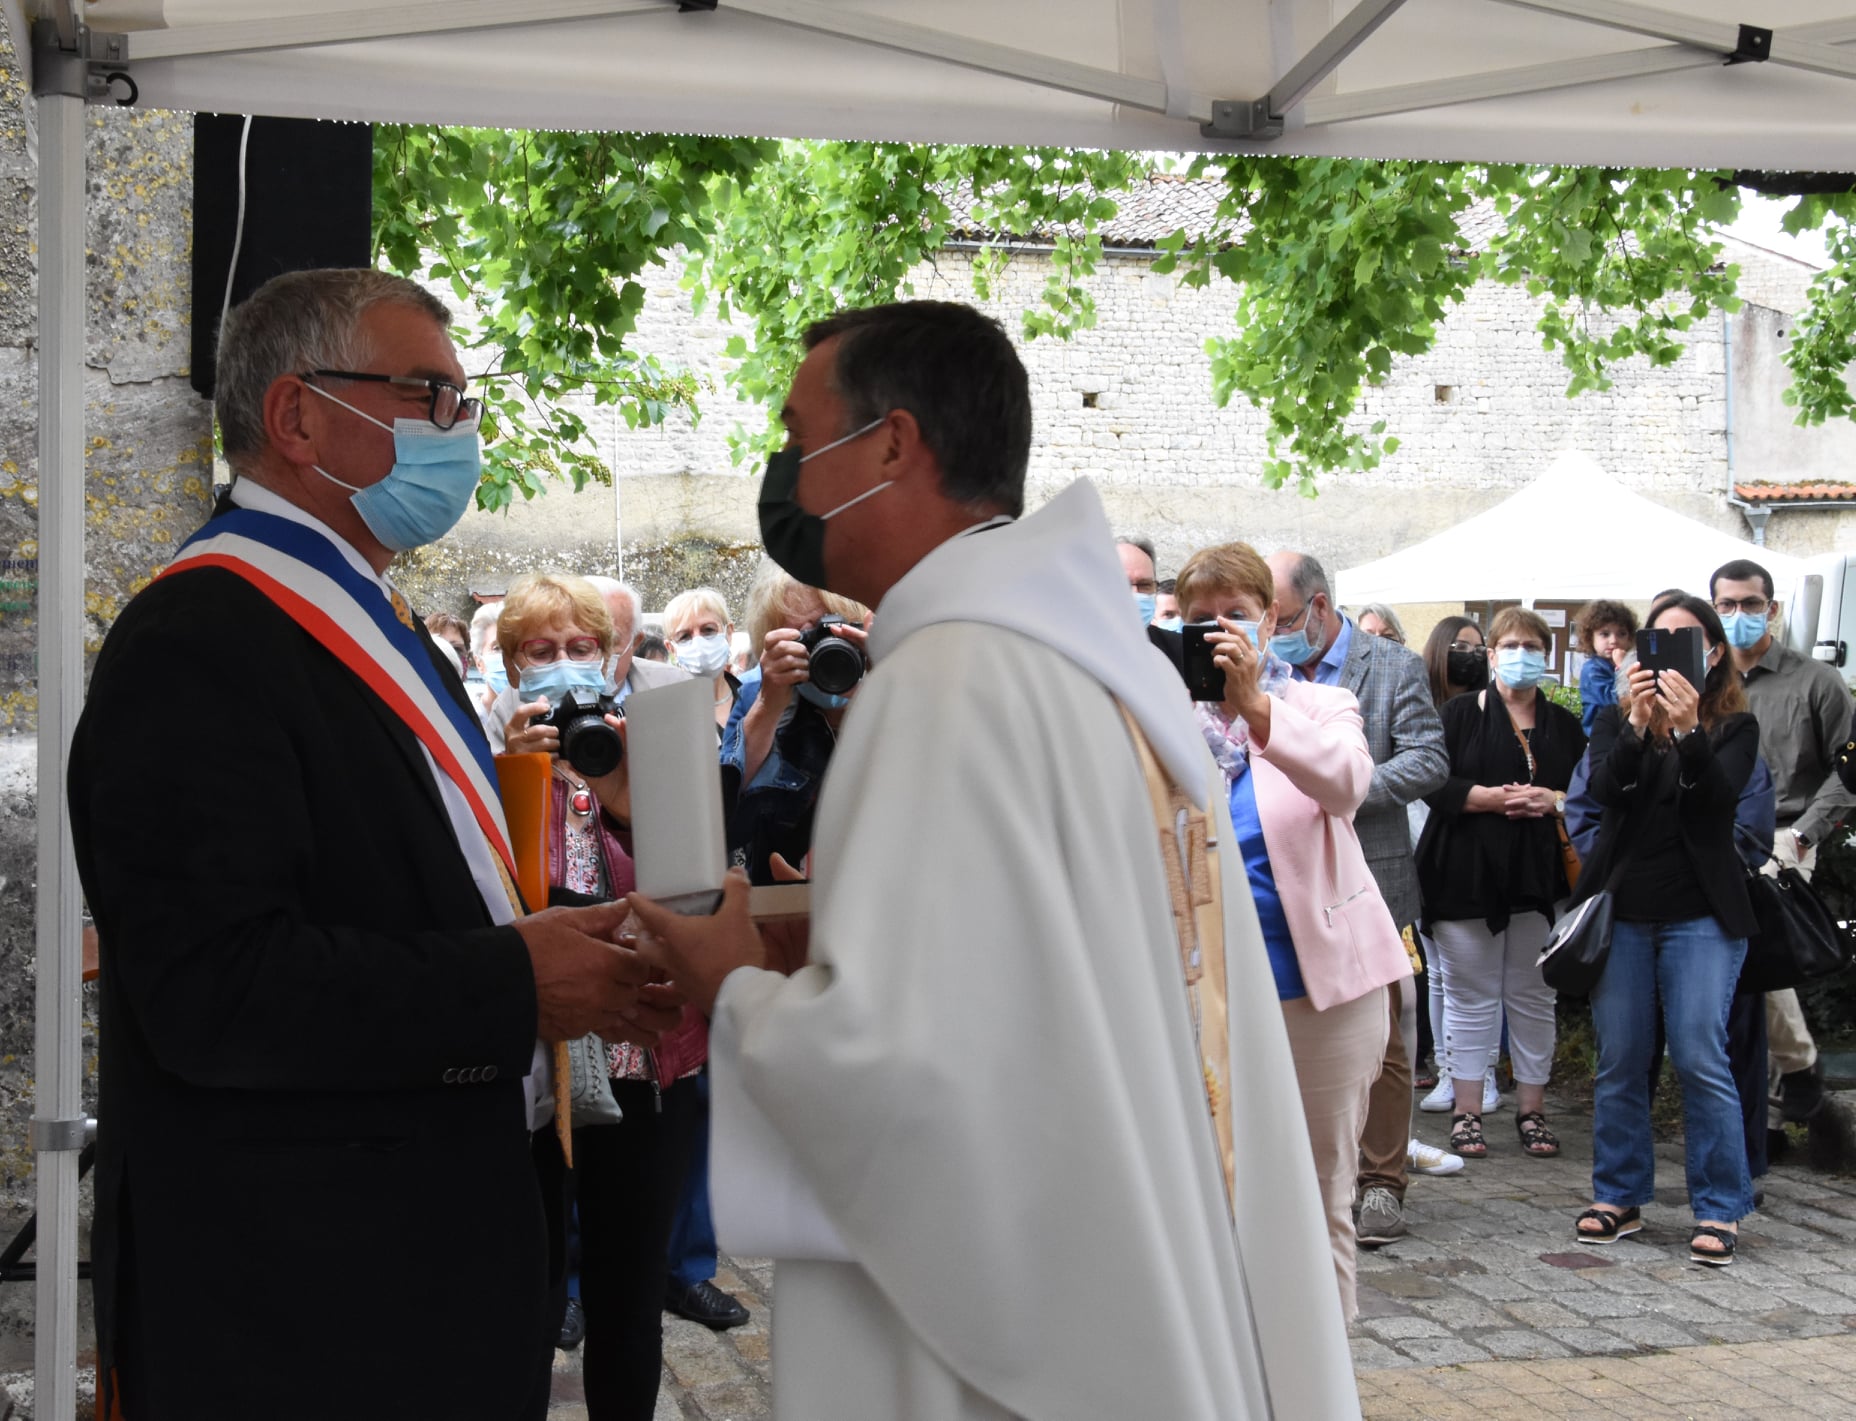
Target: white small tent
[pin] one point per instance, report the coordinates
(1573, 533)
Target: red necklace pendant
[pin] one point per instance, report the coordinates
(581, 801)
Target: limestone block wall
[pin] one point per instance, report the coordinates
(1129, 404)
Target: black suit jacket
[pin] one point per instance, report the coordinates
(313, 1161)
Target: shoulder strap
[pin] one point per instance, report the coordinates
(1189, 851)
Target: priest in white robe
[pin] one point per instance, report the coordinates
(1006, 1194)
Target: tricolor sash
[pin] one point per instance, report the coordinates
(374, 636)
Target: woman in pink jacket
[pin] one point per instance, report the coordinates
(1295, 757)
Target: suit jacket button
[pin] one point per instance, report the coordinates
(489, 1073)
(451, 1076)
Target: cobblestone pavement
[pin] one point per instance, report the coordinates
(1489, 1309)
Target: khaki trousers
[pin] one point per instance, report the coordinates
(1386, 1137)
(1788, 1039)
(1338, 1053)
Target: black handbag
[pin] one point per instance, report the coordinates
(1798, 940)
(1573, 958)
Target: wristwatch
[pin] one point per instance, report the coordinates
(1559, 804)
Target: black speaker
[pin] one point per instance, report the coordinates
(308, 200)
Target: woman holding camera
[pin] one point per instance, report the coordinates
(774, 755)
(1297, 766)
(557, 641)
(1669, 762)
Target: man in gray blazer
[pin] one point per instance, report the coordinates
(1406, 738)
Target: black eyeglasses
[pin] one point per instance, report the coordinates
(449, 402)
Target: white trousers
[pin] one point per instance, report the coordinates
(1485, 974)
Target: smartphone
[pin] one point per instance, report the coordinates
(1676, 649)
(1204, 680)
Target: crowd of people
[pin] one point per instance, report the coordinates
(1014, 1053)
(1518, 811)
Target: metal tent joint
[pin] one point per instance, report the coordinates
(1242, 118)
(94, 67)
(55, 1136)
(1755, 46)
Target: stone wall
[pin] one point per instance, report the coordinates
(1129, 404)
(147, 484)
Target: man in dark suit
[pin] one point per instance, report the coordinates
(1406, 736)
(324, 1186)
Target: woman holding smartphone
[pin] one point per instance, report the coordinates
(1669, 762)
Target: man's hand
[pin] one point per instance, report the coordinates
(583, 982)
(698, 953)
(787, 943)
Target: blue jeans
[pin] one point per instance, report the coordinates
(692, 1236)
(1692, 966)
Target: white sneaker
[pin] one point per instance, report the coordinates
(1491, 1097)
(1442, 1098)
(1421, 1158)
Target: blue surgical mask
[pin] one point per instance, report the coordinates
(1744, 629)
(434, 477)
(1294, 647)
(584, 679)
(824, 700)
(703, 656)
(494, 674)
(1170, 624)
(1520, 668)
(1144, 604)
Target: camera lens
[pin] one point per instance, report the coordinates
(834, 665)
(591, 746)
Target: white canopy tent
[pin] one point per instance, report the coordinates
(1572, 534)
(1582, 81)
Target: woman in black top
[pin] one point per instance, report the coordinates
(1490, 870)
(1669, 764)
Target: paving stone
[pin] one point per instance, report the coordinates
(1651, 1332)
(1589, 1341)
(1443, 1352)
(1405, 1328)
(1520, 1343)
(1369, 1354)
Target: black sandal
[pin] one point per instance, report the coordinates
(1466, 1135)
(1613, 1225)
(1714, 1257)
(1536, 1139)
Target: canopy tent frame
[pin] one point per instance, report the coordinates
(60, 90)
(73, 64)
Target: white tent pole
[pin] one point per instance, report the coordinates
(1540, 78)
(1723, 38)
(1041, 69)
(58, 1124)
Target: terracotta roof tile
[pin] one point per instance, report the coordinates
(1820, 491)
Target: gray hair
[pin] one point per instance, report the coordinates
(483, 625)
(610, 587)
(302, 320)
(1145, 544)
(1386, 615)
(1309, 579)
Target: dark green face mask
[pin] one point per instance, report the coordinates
(794, 538)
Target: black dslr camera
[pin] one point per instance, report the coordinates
(587, 743)
(833, 663)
